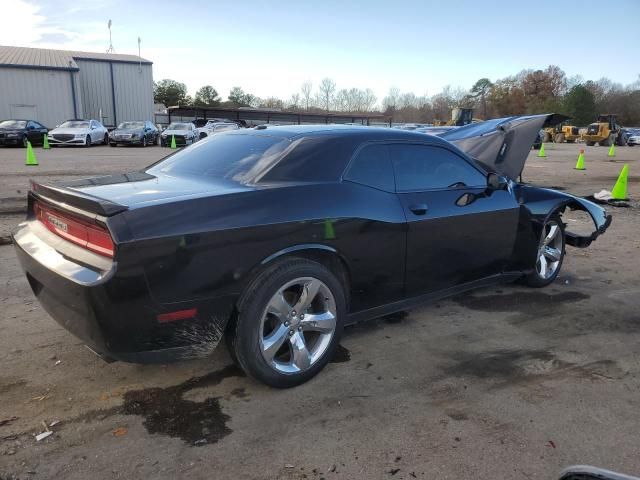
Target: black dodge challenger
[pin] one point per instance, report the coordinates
(275, 238)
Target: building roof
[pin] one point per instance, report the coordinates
(24, 57)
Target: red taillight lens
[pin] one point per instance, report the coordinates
(90, 236)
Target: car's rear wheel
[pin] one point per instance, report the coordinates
(289, 323)
(87, 141)
(550, 254)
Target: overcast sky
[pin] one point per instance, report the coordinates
(271, 48)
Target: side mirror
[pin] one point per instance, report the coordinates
(497, 182)
(93, 127)
(31, 127)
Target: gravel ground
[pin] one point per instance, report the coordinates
(505, 382)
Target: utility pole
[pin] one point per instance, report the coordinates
(110, 49)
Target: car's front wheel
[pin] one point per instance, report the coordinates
(289, 323)
(550, 254)
(87, 141)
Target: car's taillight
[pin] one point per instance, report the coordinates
(88, 235)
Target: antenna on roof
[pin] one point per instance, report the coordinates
(110, 49)
(139, 56)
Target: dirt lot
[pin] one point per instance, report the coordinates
(505, 382)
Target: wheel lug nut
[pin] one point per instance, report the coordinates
(290, 332)
(299, 329)
(302, 316)
(286, 324)
(293, 314)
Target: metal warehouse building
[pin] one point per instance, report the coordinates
(51, 86)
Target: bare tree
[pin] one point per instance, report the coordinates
(368, 100)
(327, 89)
(294, 101)
(390, 102)
(306, 89)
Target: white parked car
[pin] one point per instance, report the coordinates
(634, 138)
(185, 133)
(215, 126)
(79, 132)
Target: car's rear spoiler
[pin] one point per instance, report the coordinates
(76, 199)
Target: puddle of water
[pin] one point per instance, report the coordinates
(166, 411)
(520, 301)
(341, 355)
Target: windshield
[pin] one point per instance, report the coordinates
(241, 158)
(128, 125)
(75, 124)
(178, 126)
(13, 124)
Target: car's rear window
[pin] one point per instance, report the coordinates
(240, 158)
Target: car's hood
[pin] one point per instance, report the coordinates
(75, 131)
(11, 130)
(126, 131)
(176, 132)
(502, 144)
(140, 188)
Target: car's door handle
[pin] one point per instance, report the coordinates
(419, 209)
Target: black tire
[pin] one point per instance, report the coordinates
(144, 141)
(105, 139)
(25, 141)
(113, 144)
(608, 141)
(245, 335)
(203, 135)
(535, 278)
(87, 142)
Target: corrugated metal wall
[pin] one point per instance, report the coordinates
(95, 87)
(47, 91)
(134, 91)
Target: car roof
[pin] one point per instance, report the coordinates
(365, 133)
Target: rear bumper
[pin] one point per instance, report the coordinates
(112, 312)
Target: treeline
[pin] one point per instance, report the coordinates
(528, 92)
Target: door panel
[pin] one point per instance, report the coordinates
(458, 231)
(457, 241)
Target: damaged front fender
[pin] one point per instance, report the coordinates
(542, 203)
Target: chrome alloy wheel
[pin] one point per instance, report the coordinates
(297, 325)
(549, 250)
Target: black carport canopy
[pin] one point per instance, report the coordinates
(275, 116)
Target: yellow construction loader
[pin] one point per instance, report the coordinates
(562, 133)
(604, 132)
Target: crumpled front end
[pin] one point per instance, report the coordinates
(541, 203)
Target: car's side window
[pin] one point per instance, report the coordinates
(426, 167)
(31, 124)
(372, 167)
